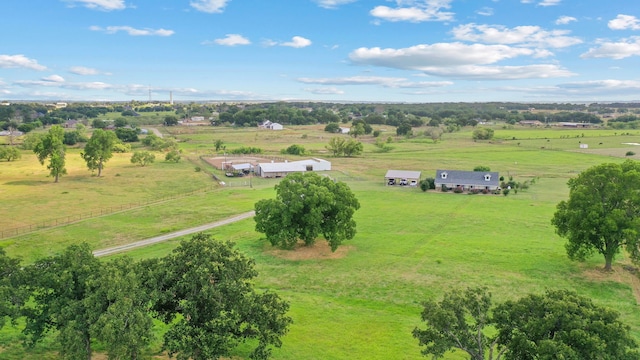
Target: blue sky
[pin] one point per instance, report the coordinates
(320, 50)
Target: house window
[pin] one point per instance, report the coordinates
(443, 175)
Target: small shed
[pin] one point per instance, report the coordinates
(402, 177)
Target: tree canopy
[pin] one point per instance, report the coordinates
(99, 149)
(51, 146)
(561, 324)
(558, 324)
(306, 206)
(603, 212)
(208, 283)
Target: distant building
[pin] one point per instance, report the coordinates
(270, 125)
(282, 169)
(402, 177)
(467, 180)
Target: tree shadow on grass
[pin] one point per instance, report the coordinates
(29, 182)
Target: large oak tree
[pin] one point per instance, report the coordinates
(603, 212)
(306, 206)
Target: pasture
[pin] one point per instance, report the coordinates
(362, 301)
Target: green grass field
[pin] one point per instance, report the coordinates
(362, 301)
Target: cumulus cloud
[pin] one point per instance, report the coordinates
(133, 31)
(615, 50)
(549, 2)
(81, 70)
(523, 35)
(20, 61)
(209, 6)
(332, 4)
(624, 22)
(485, 11)
(439, 54)
(53, 78)
(415, 11)
(388, 82)
(564, 20)
(475, 72)
(296, 42)
(543, 2)
(458, 60)
(104, 5)
(324, 91)
(230, 40)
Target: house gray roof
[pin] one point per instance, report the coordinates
(476, 178)
(402, 174)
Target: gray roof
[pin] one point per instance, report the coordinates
(402, 174)
(468, 177)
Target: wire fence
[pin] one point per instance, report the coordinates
(73, 218)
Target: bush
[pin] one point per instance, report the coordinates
(482, 134)
(294, 150)
(121, 148)
(428, 184)
(630, 153)
(172, 156)
(458, 190)
(246, 150)
(332, 128)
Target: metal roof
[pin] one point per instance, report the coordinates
(402, 174)
(468, 177)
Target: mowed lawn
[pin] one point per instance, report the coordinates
(363, 301)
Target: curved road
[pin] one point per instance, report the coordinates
(157, 239)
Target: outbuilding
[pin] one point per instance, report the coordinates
(402, 177)
(282, 169)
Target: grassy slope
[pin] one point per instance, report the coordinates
(410, 245)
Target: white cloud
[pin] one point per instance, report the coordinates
(543, 2)
(133, 31)
(388, 82)
(81, 70)
(439, 54)
(416, 11)
(297, 42)
(54, 78)
(230, 40)
(324, 91)
(549, 2)
(485, 11)
(600, 88)
(564, 20)
(457, 60)
(523, 35)
(475, 72)
(209, 6)
(624, 22)
(615, 50)
(104, 5)
(332, 4)
(20, 61)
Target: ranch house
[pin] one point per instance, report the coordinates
(467, 180)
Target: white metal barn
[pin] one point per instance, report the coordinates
(282, 169)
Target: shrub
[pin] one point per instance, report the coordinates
(458, 190)
(428, 184)
(121, 148)
(172, 156)
(294, 150)
(630, 153)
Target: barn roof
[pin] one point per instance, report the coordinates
(402, 174)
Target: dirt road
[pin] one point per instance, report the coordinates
(157, 239)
